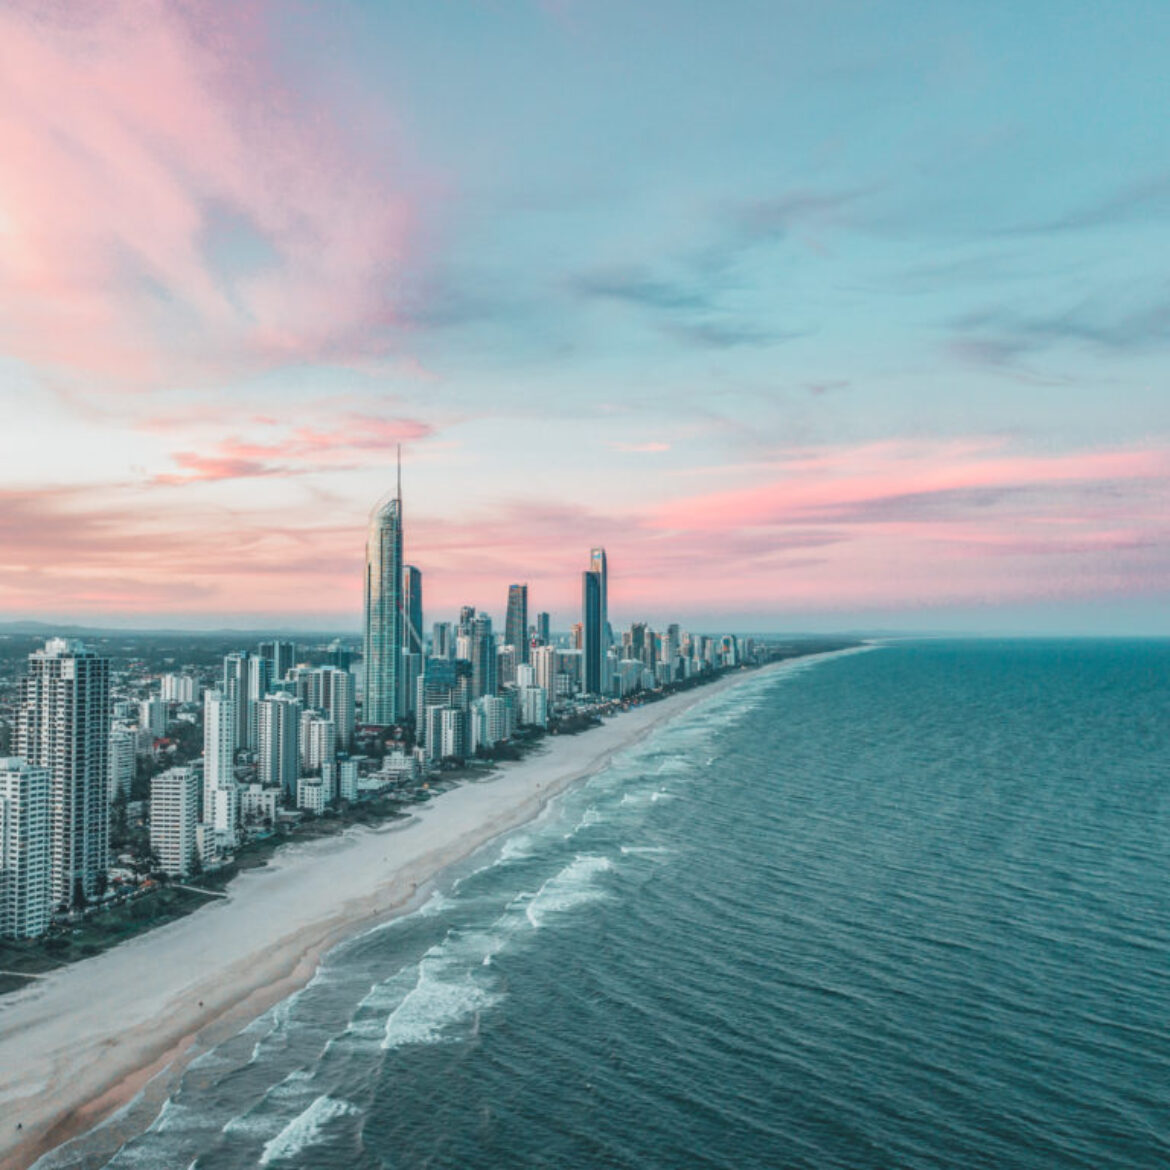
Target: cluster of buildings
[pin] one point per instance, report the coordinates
(282, 738)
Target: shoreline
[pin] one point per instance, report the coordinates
(93, 1050)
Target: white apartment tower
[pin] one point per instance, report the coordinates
(26, 899)
(63, 724)
(174, 813)
(220, 802)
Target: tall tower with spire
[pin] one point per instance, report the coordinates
(384, 625)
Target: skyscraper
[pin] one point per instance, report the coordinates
(442, 641)
(592, 624)
(330, 690)
(384, 625)
(599, 565)
(63, 724)
(516, 622)
(281, 655)
(412, 647)
(219, 753)
(413, 609)
(279, 748)
(483, 657)
(259, 683)
(543, 634)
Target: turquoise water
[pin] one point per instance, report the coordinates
(907, 907)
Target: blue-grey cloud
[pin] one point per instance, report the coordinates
(1138, 202)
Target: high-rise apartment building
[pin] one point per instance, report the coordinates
(281, 656)
(63, 724)
(235, 689)
(543, 629)
(592, 619)
(384, 617)
(259, 685)
(122, 761)
(152, 716)
(174, 813)
(330, 690)
(26, 873)
(317, 741)
(219, 754)
(412, 602)
(599, 565)
(178, 688)
(442, 641)
(279, 746)
(516, 621)
(484, 679)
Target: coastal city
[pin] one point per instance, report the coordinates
(132, 790)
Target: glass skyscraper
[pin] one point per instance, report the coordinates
(593, 624)
(384, 625)
(516, 622)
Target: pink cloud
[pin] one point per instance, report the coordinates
(170, 210)
(820, 484)
(301, 451)
(900, 525)
(652, 448)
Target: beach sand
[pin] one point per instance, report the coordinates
(94, 1037)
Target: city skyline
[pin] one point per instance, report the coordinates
(864, 331)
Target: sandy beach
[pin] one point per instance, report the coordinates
(82, 1043)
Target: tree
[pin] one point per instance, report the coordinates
(195, 868)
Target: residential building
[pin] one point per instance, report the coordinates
(483, 657)
(174, 813)
(516, 621)
(279, 750)
(123, 759)
(63, 724)
(152, 717)
(219, 754)
(281, 658)
(384, 625)
(26, 871)
(178, 688)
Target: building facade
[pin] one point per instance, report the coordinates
(174, 813)
(26, 873)
(383, 635)
(63, 724)
(516, 621)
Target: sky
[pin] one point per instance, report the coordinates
(817, 314)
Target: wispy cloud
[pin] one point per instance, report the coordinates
(173, 210)
(1001, 336)
(1137, 202)
(298, 452)
(651, 448)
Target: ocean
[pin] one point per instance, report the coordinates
(907, 907)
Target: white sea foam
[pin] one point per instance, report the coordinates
(647, 850)
(574, 886)
(434, 1005)
(305, 1130)
(516, 848)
